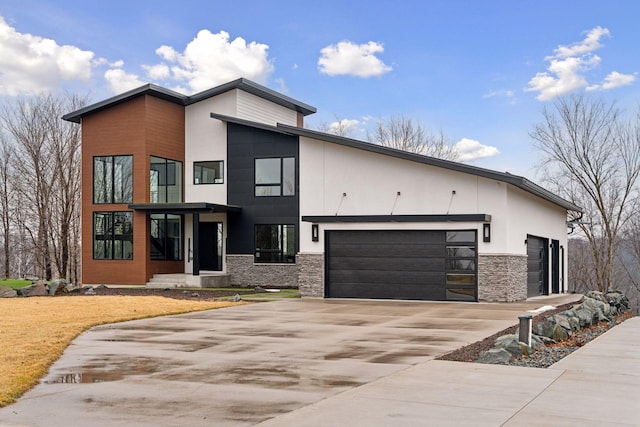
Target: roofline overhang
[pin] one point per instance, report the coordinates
(183, 208)
(397, 218)
(185, 100)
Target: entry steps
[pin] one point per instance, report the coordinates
(182, 280)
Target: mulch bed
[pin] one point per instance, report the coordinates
(550, 354)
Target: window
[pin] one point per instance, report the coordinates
(112, 235)
(166, 237)
(208, 172)
(165, 181)
(275, 243)
(275, 177)
(461, 263)
(112, 179)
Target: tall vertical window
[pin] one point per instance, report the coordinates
(113, 179)
(165, 181)
(166, 237)
(208, 172)
(275, 176)
(275, 243)
(112, 235)
(461, 265)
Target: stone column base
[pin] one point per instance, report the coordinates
(502, 278)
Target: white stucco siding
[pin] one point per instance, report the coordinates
(371, 183)
(254, 108)
(206, 140)
(532, 215)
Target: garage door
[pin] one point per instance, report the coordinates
(402, 264)
(537, 266)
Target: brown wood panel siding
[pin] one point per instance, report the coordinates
(141, 127)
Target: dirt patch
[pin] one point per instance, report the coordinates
(175, 293)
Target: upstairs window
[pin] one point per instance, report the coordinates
(275, 177)
(112, 179)
(208, 172)
(165, 181)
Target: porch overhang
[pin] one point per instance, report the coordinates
(183, 208)
(398, 218)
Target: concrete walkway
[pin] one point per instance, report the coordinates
(319, 363)
(597, 385)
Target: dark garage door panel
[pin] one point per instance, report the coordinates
(389, 291)
(398, 264)
(537, 269)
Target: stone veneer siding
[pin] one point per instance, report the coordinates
(311, 275)
(502, 278)
(245, 273)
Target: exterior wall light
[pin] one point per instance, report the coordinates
(315, 233)
(486, 233)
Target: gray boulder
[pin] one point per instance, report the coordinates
(495, 356)
(511, 344)
(563, 322)
(560, 333)
(37, 290)
(89, 290)
(544, 328)
(585, 315)
(7, 292)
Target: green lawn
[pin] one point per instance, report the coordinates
(15, 283)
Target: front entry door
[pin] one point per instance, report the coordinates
(210, 246)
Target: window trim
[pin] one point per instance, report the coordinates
(112, 191)
(174, 182)
(166, 238)
(221, 162)
(282, 256)
(112, 239)
(281, 182)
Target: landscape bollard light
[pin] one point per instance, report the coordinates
(525, 329)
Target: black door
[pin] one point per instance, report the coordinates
(210, 246)
(398, 264)
(537, 266)
(555, 266)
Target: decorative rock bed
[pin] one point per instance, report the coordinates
(584, 319)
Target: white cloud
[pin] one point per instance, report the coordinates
(613, 80)
(120, 81)
(568, 66)
(343, 127)
(158, 71)
(32, 64)
(470, 149)
(589, 44)
(347, 58)
(212, 59)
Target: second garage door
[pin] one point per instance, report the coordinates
(401, 264)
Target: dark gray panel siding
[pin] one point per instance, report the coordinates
(244, 145)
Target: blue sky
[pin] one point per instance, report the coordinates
(479, 71)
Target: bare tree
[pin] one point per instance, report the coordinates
(340, 127)
(404, 134)
(46, 153)
(6, 198)
(592, 158)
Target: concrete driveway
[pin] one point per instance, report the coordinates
(244, 365)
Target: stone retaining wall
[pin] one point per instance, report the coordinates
(311, 274)
(502, 278)
(245, 273)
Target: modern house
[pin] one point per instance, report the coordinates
(227, 186)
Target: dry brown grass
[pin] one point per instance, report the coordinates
(35, 331)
